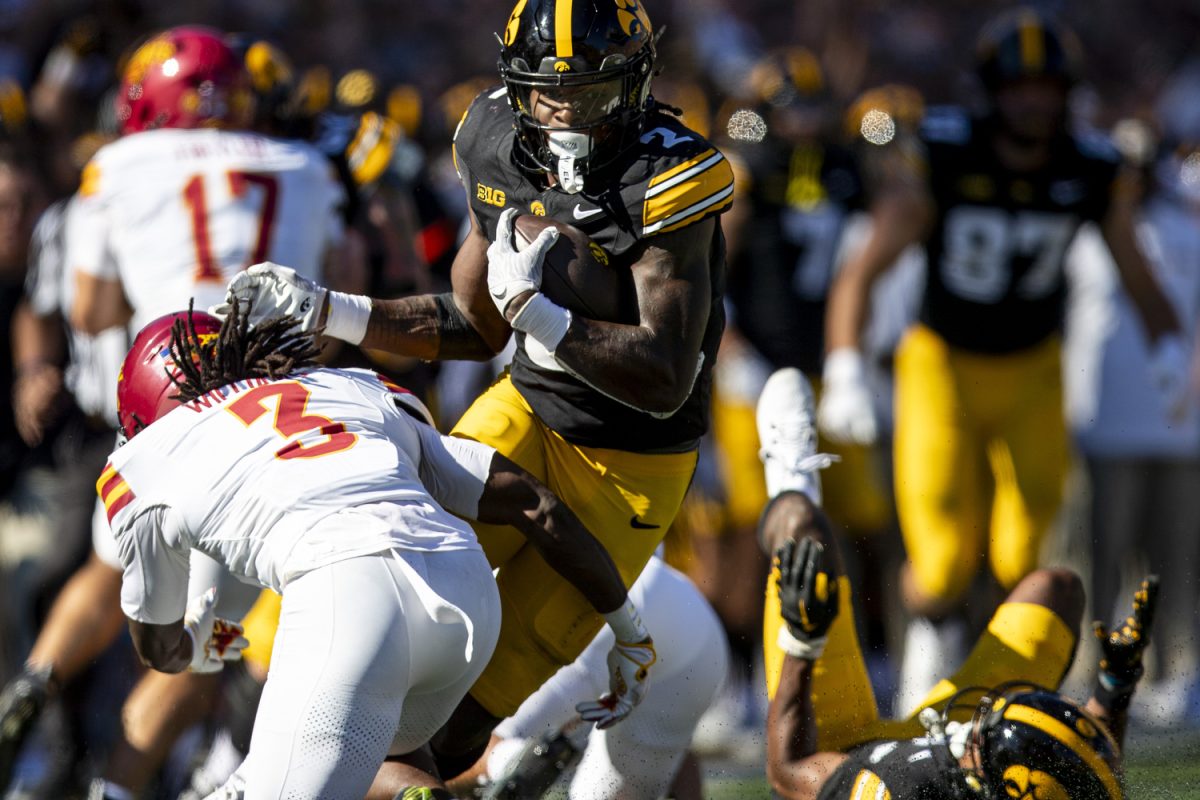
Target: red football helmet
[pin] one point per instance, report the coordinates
(184, 77)
(144, 387)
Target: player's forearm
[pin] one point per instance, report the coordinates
(37, 340)
(1157, 314)
(899, 219)
(792, 733)
(165, 648)
(426, 326)
(511, 496)
(1114, 720)
(631, 363)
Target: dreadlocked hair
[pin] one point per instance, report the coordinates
(271, 350)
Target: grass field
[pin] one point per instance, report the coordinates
(1160, 765)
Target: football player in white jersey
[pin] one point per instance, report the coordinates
(323, 485)
(170, 211)
(641, 758)
(188, 197)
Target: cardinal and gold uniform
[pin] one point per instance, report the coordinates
(1023, 641)
(978, 384)
(622, 471)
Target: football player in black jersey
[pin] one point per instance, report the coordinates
(980, 440)
(1011, 739)
(608, 412)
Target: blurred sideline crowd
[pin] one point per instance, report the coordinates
(838, 87)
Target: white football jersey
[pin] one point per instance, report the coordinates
(174, 214)
(276, 478)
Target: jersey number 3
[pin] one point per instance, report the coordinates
(207, 268)
(291, 401)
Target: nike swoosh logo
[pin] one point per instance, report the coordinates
(634, 522)
(578, 213)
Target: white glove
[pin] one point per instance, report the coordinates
(511, 272)
(629, 664)
(845, 413)
(214, 640)
(1170, 369)
(268, 291)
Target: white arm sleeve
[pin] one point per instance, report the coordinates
(454, 470)
(155, 561)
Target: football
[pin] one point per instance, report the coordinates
(578, 274)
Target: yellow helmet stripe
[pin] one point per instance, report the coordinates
(1033, 43)
(563, 45)
(1056, 729)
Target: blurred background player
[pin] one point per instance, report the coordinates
(644, 757)
(608, 412)
(825, 736)
(1143, 462)
(996, 200)
(797, 187)
(170, 211)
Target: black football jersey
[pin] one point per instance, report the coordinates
(672, 179)
(890, 770)
(995, 279)
(799, 199)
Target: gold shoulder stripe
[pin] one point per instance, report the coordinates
(1056, 729)
(869, 786)
(703, 187)
(678, 168)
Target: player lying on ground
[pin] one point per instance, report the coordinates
(825, 739)
(643, 758)
(390, 611)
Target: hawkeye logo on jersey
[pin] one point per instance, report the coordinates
(493, 197)
(537, 208)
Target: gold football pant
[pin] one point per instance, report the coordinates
(966, 425)
(1023, 641)
(627, 501)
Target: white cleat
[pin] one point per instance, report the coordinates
(788, 436)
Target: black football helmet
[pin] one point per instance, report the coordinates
(1025, 43)
(1026, 741)
(587, 65)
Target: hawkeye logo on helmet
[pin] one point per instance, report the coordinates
(514, 23)
(561, 66)
(1032, 784)
(493, 197)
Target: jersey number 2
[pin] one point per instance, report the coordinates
(291, 401)
(207, 268)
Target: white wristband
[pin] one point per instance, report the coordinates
(544, 320)
(844, 365)
(795, 648)
(626, 623)
(348, 316)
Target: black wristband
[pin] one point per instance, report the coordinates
(450, 320)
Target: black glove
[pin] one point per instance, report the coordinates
(1122, 648)
(808, 596)
(21, 703)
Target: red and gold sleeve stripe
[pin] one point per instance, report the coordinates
(114, 491)
(687, 193)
